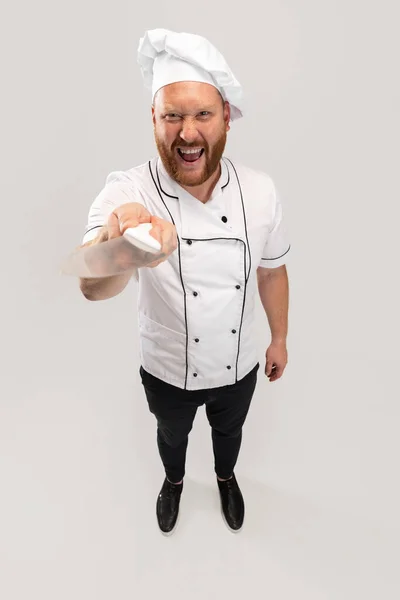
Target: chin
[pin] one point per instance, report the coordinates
(192, 180)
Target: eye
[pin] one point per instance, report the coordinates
(172, 116)
(204, 113)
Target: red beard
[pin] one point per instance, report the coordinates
(212, 158)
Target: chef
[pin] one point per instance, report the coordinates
(221, 227)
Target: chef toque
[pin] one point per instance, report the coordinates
(167, 57)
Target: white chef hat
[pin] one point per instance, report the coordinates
(167, 57)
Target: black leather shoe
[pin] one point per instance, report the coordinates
(168, 506)
(232, 503)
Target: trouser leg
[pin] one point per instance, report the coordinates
(226, 410)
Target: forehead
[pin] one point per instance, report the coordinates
(187, 95)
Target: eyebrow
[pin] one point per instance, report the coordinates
(170, 109)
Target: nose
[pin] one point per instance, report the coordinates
(189, 132)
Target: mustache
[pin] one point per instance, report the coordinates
(181, 144)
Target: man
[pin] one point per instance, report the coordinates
(220, 226)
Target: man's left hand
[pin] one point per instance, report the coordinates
(276, 360)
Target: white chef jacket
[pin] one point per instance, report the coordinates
(196, 309)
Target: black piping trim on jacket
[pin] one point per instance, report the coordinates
(163, 191)
(246, 274)
(229, 178)
(180, 265)
(276, 257)
(91, 229)
(245, 286)
(244, 218)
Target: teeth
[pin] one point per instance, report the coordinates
(190, 151)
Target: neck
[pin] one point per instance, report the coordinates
(204, 191)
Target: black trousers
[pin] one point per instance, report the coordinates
(175, 410)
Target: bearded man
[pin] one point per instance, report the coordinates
(220, 226)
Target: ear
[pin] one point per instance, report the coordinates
(227, 115)
(153, 115)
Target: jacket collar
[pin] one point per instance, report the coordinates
(197, 220)
(171, 188)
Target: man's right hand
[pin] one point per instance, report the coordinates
(133, 214)
(128, 215)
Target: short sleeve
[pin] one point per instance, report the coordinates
(277, 246)
(119, 189)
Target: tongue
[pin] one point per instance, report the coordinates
(191, 157)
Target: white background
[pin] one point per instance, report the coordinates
(79, 466)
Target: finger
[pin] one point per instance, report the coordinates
(144, 216)
(156, 222)
(275, 378)
(159, 230)
(167, 229)
(128, 223)
(167, 239)
(113, 226)
(268, 367)
(131, 218)
(276, 373)
(272, 370)
(156, 233)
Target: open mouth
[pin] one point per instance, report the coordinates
(190, 155)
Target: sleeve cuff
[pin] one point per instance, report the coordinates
(273, 263)
(91, 234)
